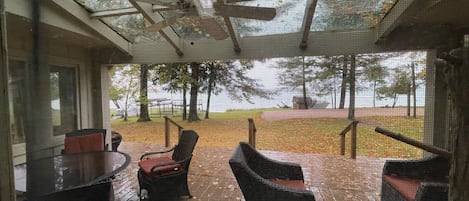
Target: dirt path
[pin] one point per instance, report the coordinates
(334, 113)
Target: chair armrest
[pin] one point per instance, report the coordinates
(276, 169)
(266, 167)
(156, 152)
(433, 167)
(429, 191)
(254, 187)
(182, 162)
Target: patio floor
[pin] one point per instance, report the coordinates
(330, 177)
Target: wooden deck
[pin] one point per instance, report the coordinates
(330, 177)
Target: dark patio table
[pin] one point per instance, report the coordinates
(73, 171)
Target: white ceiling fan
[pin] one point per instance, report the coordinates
(203, 12)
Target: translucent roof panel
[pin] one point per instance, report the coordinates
(289, 18)
(103, 5)
(340, 15)
(330, 15)
(132, 27)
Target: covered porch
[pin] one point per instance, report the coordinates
(43, 40)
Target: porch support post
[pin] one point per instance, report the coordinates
(100, 117)
(436, 105)
(105, 113)
(7, 186)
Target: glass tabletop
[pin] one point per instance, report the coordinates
(69, 171)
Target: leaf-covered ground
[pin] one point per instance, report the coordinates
(294, 135)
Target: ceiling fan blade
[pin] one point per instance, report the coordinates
(236, 1)
(248, 12)
(213, 28)
(162, 24)
(169, 4)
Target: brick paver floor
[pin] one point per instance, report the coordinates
(330, 177)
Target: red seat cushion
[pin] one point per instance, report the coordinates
(146, 165)
(297, 184)
(84, 143)
(407, 187)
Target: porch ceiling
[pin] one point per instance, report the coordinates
(312, 27)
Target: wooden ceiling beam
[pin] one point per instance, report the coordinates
(402, 13)
(307, 21)
(124, 11)
(147, 11)
(233, 34)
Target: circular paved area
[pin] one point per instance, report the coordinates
(335, 113)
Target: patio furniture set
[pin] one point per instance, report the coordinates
(261, 178)
(84, 171)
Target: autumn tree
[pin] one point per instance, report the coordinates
(194, 90)
(296, 72)
(144, 115)
(125, 80)
(174, 77)
(376, 74)
(400, 85)
(329, 72)
(352, 82)
(232, 78)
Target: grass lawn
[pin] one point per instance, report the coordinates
(226, 129)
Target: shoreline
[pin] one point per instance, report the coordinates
(276, 115)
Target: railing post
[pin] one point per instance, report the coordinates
(252, 132)
(166, 132)
(180, 131)
(354, 140)
(342, 144)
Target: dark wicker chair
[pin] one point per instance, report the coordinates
(165, 178)
(262, 179)
(102, 191)
(417, 180)
(85, 140)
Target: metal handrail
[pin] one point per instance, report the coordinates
(430, 148)
(167, 122)
(353, 146)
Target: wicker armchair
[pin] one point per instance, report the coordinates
(417, 180)
(261, 178)
(165, 178)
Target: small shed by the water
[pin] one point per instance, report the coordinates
(299, 102)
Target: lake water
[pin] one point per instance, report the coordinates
(221, 102)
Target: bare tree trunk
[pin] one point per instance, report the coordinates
(456, 66)
(193, 116)
(351, 111)
(408, 100)
(209, 94)
(116, 103)
(304, 85)
(144, 114)
(414, 90)
(343, 86)
(374, 94)
(184, 103)
(184, 96)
